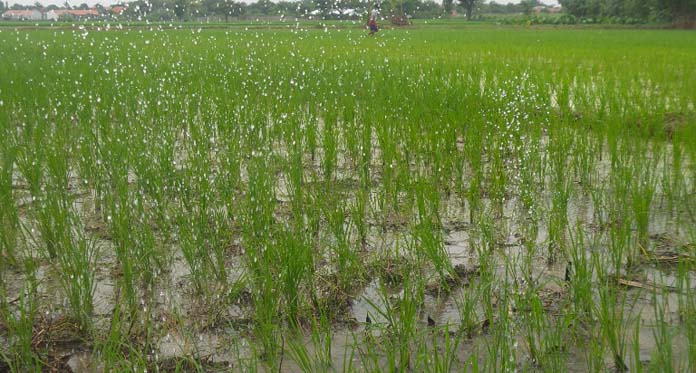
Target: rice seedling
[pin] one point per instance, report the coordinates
(440, 356)
(491, 198)
(664, 354)
(19, 318)
(613, 312)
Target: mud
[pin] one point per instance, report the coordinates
(186, 327)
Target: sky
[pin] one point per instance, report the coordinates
(109, 2)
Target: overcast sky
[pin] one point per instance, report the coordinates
(109, 2)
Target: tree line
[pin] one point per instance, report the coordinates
(681, 12)
(321, 9)
(316, 9)
(308, 9)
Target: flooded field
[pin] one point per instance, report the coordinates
(311, 199)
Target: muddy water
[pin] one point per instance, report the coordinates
(179, 314)
(446, 310)
(220, 347)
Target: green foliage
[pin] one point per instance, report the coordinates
(470, 7)
(682, 12)
(503, 196)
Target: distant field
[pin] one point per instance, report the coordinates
(304, 197)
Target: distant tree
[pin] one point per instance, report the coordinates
(196, 9)
(683, 11)
(84, 6)
(448, 5)
(355, 4)
(429, 9)
(583, 8)
(181, 8)
(613, 8)
(499, 8)
(236, 9)
(398, 12)
(469, 7)
(211, 7)
(640, 9)
(159, 6)
(262, 7)
(137, 9)
(304, 7)
(223, 8)
(286, 8)
(573, 7)
(18, 7)
(324, 6)
(528, 5)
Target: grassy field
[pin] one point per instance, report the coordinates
(308, 198)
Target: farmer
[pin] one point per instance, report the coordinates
(372, 23)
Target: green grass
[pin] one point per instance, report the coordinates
(266, 187)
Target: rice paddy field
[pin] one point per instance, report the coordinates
(306, 198)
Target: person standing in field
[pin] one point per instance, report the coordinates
(372, 23)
